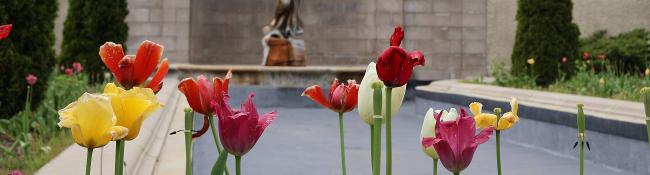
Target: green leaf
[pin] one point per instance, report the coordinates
(220, 166)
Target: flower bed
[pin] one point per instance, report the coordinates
(31, 138)
(587, 80)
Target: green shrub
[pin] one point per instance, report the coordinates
(28, 49)
(88, 25)
(545, 32)
(627, 51)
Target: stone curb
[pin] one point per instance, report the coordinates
(616, 117)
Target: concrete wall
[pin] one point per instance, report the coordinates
(340, 32)
(590, 15)
(166, 22)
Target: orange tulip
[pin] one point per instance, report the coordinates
(130, 70)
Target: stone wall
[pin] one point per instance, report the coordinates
(166, 22)
(341, 32)
(590, 15)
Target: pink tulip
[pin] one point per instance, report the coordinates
(31, 79)
(456, 142)
(15, 172)
(239, 129)
(68, 71)
(77, 67)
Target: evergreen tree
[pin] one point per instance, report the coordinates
(88, 25)
(27, 50)
(545, 32)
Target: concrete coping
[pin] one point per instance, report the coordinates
(260, 68)
(611, 109)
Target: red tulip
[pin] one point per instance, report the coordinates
(239, 129)
(342, 98)
(455, 141)
(131, 70)
(4, 31)
(31, 79)
(564, 60)
(77, 67)
(395, 65)
(200, 95)
(586, 55)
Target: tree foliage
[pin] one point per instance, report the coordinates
(546, 33)
(27, 50)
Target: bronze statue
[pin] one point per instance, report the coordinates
(280, 48)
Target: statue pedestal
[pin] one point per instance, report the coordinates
(279, 76)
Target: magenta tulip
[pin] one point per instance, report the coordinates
(455, 140)
(239, 129)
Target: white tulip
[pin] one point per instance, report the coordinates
(365, 101)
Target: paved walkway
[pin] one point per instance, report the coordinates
(305, 141)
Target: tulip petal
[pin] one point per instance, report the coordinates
(118, 132)
(484, 135)
(111, 54)
(248, 106)
(265, 120)
(485, 120)
(126, 69)
(206, 91)
(514, 105)
(191, 91)
(204, 127)
(476, 108)
(159, 76)
(417, 57)
(146, 60)
(5, 30)
(397, 36)
(428, 131)
(316, 94)
(350, 97)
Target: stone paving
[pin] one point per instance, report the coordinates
(304, 141)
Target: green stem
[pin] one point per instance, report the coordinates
(89, 159)
(435, 166)
(216, 138)
(498, 133)
(498, 142)
(189, 121)
(238, 165)
(458, 173)
(376, 127)
(389, 147)
(582, 158)
(342, 143)
(372, 147)
(376, 161)
(119, 157)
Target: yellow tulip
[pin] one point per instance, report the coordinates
(132, 106)
(92, 121)
(484, 120)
